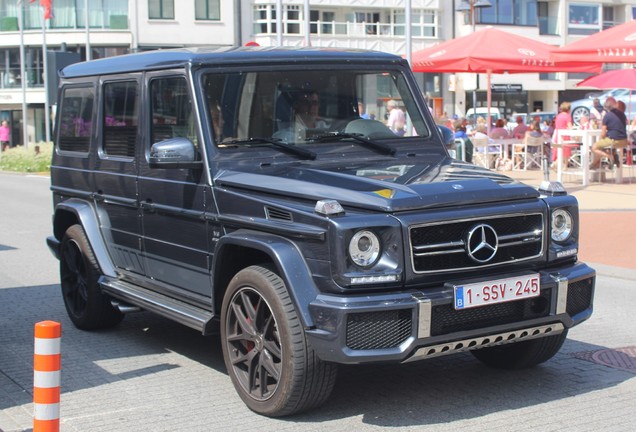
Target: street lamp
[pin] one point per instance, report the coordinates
(470, 6)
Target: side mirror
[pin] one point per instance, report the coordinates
(173, 153)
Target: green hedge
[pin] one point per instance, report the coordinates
(20, 159)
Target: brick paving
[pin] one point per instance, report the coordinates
(150, 374)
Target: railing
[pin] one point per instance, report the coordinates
(361, 29)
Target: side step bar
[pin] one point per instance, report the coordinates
(183, 313)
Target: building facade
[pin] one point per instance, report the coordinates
(118, 27)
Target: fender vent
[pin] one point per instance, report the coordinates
(277, 214)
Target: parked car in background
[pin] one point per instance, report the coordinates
(473, 113)
(581, 107)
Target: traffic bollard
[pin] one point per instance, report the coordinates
(46, 377)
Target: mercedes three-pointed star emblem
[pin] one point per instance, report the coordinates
(482, 243)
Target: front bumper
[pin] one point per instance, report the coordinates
(413, 325)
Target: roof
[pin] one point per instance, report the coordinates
(209, 56)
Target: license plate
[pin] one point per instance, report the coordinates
(496, 291)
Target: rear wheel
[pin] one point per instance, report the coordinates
(521, 355)
(86, 305)
(268, 358)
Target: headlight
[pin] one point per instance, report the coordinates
(561, 225)
(364, 248)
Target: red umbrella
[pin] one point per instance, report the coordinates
(615, 45)
(614, 79)
(493, 51)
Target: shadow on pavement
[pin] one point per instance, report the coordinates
(435, 391)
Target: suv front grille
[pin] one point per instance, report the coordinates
(443, 246)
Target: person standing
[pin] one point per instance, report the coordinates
(562, 121)
(5, 135)
(397, 119)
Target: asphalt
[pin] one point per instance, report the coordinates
(608, 219)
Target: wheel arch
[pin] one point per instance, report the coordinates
(244, 248)
(77, 211)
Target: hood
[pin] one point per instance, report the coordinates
(383, 186)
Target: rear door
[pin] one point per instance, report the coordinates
(115, 174)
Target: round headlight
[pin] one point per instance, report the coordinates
(561, 225)
(364, 248)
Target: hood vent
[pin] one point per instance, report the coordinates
(277, 214)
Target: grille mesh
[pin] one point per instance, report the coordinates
(442, 247)
(378, 330)
(446, 319)
(579, 296)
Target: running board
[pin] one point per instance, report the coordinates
(486, 341)
(183, 313)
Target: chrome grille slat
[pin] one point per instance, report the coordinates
(441, 246)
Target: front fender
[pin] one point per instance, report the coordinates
(76, 210)
(289, 262)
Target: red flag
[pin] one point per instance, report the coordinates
(46, 4)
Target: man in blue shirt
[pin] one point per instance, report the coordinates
(613, 133)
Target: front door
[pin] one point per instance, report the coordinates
(173, 201)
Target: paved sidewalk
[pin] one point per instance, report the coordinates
(608, 219)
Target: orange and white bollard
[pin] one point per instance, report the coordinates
(46, 377)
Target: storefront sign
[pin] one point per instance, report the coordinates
(506, 88)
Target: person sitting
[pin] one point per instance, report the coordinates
(520, 130)
(460, 133)
(499, 131)
(534, 131)
(306, 107)
(613, 133)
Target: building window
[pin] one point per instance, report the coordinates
(509, 12)
(583, 18)
(120, 118)
(423, 23)
(161, 9)
(207, 10)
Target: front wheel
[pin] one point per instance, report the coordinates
(522, 355)
(579, 112)
(268, 358)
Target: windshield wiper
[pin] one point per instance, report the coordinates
(373, 145)
(298, 151)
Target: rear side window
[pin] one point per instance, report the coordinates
(120, 120)
(76, 119)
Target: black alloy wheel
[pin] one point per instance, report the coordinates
(86, 305)
(273, 368)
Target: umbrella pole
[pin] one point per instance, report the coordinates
(488, 99)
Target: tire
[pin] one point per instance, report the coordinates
(272, 366)
(86, 305)
(579, 112)
(521, 355)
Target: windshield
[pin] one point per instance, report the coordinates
(310, 107)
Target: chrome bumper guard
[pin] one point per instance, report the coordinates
(486, 341)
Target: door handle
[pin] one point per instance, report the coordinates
(148, 206)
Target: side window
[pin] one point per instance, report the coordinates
(121, 117)
(76, 119)
(172, 111)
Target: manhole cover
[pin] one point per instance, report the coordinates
(619, 358)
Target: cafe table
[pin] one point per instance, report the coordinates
(586, 138)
